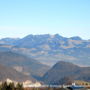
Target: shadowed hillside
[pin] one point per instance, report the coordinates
(61, 71)
(27, 66)
(7, 72)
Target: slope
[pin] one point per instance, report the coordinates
(63, 70)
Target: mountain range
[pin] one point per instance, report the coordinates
(49, 49)
(48, 58)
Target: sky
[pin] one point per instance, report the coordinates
(68, 18)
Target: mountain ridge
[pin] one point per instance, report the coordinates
(49, 49)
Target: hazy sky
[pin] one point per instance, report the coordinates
(19, 18)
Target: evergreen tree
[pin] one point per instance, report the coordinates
(19, 87)
(4, 86)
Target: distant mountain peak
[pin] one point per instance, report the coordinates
(64, 64)
(58, 36)
(76, 38)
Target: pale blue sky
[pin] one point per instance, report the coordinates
(19, 18)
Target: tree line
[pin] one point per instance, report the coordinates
(11, 86)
